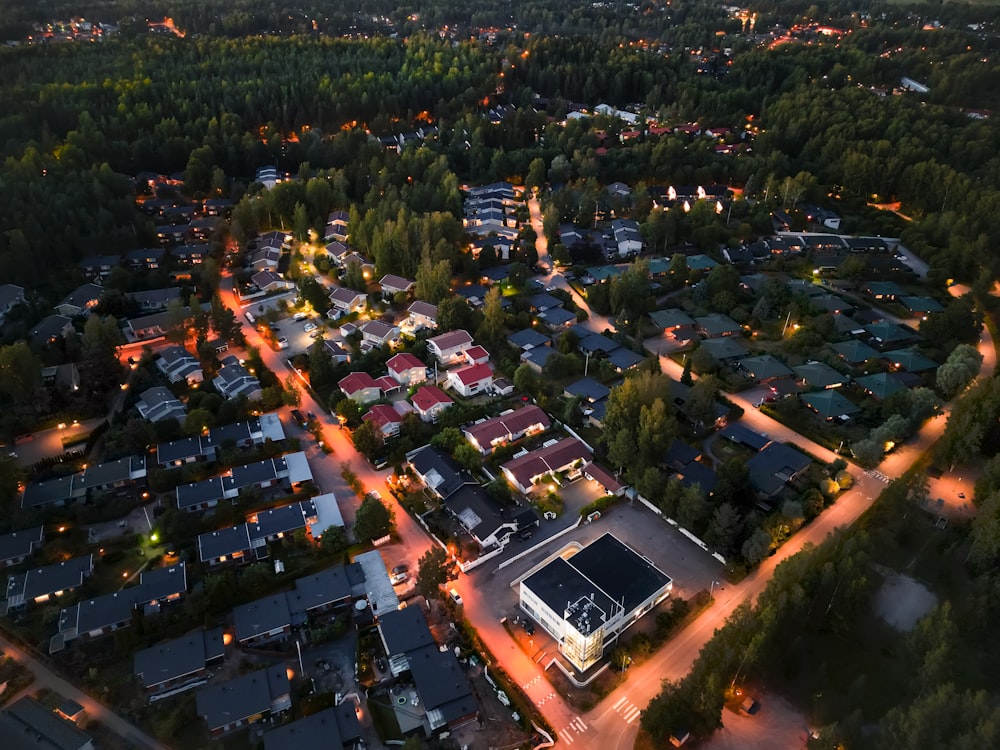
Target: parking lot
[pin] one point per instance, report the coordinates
(691, 568)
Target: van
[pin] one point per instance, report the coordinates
(455, 596)
(250, 318)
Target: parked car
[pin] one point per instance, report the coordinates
(455, 596)
(524, 535)
(299, 316)
(282, 343)
(528, 625)
(400, 574)
(309, 327)
(299, 419)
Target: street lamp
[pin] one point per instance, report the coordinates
(711, 591)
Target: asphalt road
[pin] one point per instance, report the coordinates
(45, 678)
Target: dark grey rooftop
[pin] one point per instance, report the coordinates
(205, 491)
(319, 731)
(261, 616)
(61, 576)
(441, 683)
(162, 583)
(588, 388)
(20, 543)
(438, 470)
(320, 589)
(223, 542)
(561, 587)
(619, 571)
(404, 630)
(176, 658)
(253, 693)
(27, 725)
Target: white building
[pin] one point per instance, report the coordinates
(587, 599)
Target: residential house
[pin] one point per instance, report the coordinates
(335, 728)
(597, 343)
(776, 465)
(921, 307)
(96, 267)
(885, 291)
(218, 206)
(265, 258)
(149, 327)
(528, 338)
(81, 301)
(29, 725)
(262, 621)
(203, 227)
(764, 368)
(489, 434)
(627, 236)
(889, 335)
(386, 419)
(337, 224)
(557, 318)
(430, 401)
(118, 475)
(742, 435)
(360, 387)
(378, 333)
(269, 281)
(622, 359)
(470, 380)
(180, 664)
(18, 546)
(406, 369)
(38, 585)
(189, 255)
(537, 358)
(233, 380)
(392, 285)
(422, 315)
(158, 403)
(225, 545)
(328, 516)
(155, 300)
(879, 385)
(348, 300)
(543, 301)
(819, 375)
(450, 347)
(10, 297)
(716, 325)
(908, 360)
(336, 251)
(568, 455)
(337, 353)
(244, 700)
(249, 540)
(180, 366)
(854, 352)
(319, 593)
(671, 320)
(63, 378)
(830, 405)
(254, 432)
(476, 355)
(587, 389)
(50, 329)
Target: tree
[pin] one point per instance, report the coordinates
(525, 379)
(536, 174)
(177, 316)
(723, 528)
(354, 276)
(958, 370)
(700, 405)
(692, 508)
(757, 547)
(867, 452)
(373, 520)
(453, 313)
(433, 279)
(20, 372)
(493, 317)
(333, 542)
(315, 294)
(367, 439)
(223, 320)
(433, 572)
(631, 292)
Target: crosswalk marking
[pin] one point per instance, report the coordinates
(532, 682)
(628, 710)
(619, 702)
(567, 736)
(578, 724)
(631, 715)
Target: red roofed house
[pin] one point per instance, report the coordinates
(385, 418)
(477, 356)
(468, 381)
(566, 455)
(488, 435)
(407, 369)
(360, 387)
(450, 347)
(387, 385)
(430, 401)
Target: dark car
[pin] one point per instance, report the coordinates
(300, 420)
(524, 535)
(528, 625)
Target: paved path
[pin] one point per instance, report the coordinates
(45, 678)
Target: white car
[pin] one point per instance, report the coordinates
(455, 597)
(309, 327)
(399, 575)
(282, 343)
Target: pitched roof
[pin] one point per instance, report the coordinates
(472, 373)
(428, 396)
(451, 340)
(819, 375)
(356, 381)
(228, 702)
(829, 404)
(383, 415)
(170, 660)
(552, 457)
(402, 362)
(509, 423)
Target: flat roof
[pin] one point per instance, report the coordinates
(404, 630)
